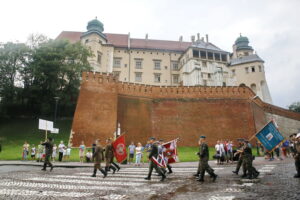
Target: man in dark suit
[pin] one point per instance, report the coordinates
(154, 153)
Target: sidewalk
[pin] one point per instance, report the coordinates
(258, 160)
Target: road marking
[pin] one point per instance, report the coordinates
(221, 197)
(107, 178)
(18, 192)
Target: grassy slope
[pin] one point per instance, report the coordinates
(14, 132)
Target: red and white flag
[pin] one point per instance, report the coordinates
(119, 148)
(159, 161)
(170, 151)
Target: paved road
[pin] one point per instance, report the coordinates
(29, 182)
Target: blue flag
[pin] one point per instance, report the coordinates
(269, 136)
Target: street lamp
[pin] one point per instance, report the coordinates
(56, 102)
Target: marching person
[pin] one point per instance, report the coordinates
(154, 153)
(98, 156)
(248, 161)
(240, 160)
(109, 156)
(48, 151)
(169, 167)
(297, 154)
(203, 161)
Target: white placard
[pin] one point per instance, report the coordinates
(45, 125)
(55, 130)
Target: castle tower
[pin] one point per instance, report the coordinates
(96, 40)
(248, 69)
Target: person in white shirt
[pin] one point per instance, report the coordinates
(218, 155)
(81, 151)
(138, 154)
(54, 152)
(33, 152)
(67, 153)
(89, 156)
(61, 148)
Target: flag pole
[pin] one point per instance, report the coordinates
(253, 136)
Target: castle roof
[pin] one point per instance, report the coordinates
(245, 59)
(121, 40)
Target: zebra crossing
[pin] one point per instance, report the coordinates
(128, 183)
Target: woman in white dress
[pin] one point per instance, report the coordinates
(54, 153)
(81, 151)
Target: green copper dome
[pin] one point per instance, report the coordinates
(242, 43)
(95, 25)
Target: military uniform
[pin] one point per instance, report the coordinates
(109, 156)
(297, 157)
(247, 161)
(240, 160)
(154, 153)
(98, 156)
(48, 151)
(203, 162)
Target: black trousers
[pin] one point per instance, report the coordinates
(47, 161)
(60, 156)
(153, 165)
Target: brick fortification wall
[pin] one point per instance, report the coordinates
(167, 112)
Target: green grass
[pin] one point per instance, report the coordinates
(14, 132)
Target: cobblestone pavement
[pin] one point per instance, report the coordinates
(275, 182)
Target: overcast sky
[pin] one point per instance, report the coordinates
(272, 26)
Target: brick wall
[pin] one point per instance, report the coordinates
(167, 112)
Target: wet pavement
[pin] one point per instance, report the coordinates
(29, 182)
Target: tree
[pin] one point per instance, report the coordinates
(295, 107)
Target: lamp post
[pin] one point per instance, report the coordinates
(55, 111)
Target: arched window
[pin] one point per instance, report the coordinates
(253, 87)
(242, 85)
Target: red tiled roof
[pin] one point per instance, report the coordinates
(121, 40)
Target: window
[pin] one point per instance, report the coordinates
(210, 55)
(117, 63)
(157, 64)
(233, 72)
(99, 57)
(224, 57)
(246, 53)
(195, 54)
(166, 67)
(175, 78)
(252, 69)
(217, 56)
(116, 74)
(157, 78)
(259, 68)
(247, 70)
(174, 65)
(208, 76)
(203, 54)
(204, 64)
(138, 63)
(138, 76)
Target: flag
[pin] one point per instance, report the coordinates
(269, 136)
(119, 148)
(159, 161)
(170, 151)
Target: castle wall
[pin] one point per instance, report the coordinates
(171, 112)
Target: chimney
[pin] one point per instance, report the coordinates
(198, 36)
(193, 38)
(129, 40)
(206, 38)
(146, 36)
(180, 38)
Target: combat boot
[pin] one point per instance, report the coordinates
(214, 177)
(117, 166)
(244, 176)
(297, 176)
(201, 177)
(94, 174)
(170, 169)
(235, 172)
(163, 178)
(103, 172)
(113, 168)
(148, 178)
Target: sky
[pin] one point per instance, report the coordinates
(272, 26)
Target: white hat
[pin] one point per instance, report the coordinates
(298, 135)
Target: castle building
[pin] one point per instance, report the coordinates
(172, 63)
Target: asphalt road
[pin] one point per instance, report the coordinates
(29, 182)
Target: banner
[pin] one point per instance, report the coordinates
(45, 125)
(119, 148)
(269, 136)
(159, 161)
(170, 151)
(55, 130)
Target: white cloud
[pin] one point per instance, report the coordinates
(272, 27)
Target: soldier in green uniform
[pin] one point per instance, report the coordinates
(203, 162)
(154, 153)
(98, 156)
(297, 155)
(109, 156)
(247, 161)
(240, 161)
(48, 150)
